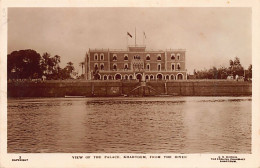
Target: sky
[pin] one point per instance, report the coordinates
(211, 36)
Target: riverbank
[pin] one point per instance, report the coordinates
(128, 88)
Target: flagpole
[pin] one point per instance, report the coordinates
(126, 41)
(143, 38)
(135, 36)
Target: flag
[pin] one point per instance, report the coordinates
(129, 34)
(144, 35)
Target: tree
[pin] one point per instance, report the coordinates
(249, 72)
(69, 67)
(50, 66)
(96, 73)
(66, 72)
(223, 73)
(195, 73)
(24, 64)
(235, 68)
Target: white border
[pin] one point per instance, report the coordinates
(193, 160)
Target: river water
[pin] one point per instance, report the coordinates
(130, 125)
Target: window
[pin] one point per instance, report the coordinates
(118, 76)
(179, 77)
(95, 56)
(159, 67)
(114, 67)
(172, 77)
(125, 57)
(101, 56)
(159, 76)
(95, 66)
(172, 56)
(101, 66)
(178, 66)
(114, 57)
(148, 57)
(178, 56)
(99, 77)
(159, 57)
(173, 67)
(105, 77)
(125, 66)
(137, 57)
(151, 77)
(148, 66)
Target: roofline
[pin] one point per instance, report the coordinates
(123, 50)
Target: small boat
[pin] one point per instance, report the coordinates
(74, 96)
(163, 95)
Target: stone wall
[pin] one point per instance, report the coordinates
(129, 88)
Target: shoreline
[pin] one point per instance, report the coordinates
(84, 88)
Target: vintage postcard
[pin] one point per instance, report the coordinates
(130, 83)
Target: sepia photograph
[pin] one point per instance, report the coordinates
(130, 82)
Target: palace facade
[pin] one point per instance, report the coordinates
(135, 63)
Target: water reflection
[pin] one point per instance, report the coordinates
(130, 125)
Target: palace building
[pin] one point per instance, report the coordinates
(135, 63)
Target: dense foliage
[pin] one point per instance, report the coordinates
(28, 64)
(235, 68)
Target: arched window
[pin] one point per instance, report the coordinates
(99, 77)
(114, 57)
(148, 67)
(172, 77)
(178, 66)
(118, 77)
(159, 67)
(172, 56)
(126, 77)
(159, 57)
(101, 56)
(130, 77)
(95, 56)
(179, 77)
(105, 77)
(147, 77)
(102, 66)
(139, 76)
(151, 77)
(95, 66)
(125, 66)
(125, 57)
(148, 57)
(172, 67)
(110, 77)
(167, 77)
(159, 76)
(178, 56)
(114, 67)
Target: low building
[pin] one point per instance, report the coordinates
(135, 63)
